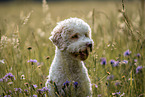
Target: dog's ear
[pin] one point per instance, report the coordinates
(57, 39)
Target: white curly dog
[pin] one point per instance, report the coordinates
(72, 38)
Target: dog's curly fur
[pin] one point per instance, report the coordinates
(72, 38)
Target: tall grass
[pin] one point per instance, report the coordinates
(116, 66)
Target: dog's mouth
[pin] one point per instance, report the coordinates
(82, 54)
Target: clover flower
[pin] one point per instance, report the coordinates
(138, 69)
(103, 61)
(127, 52)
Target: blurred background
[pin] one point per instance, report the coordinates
(64, 0)
(116, 27)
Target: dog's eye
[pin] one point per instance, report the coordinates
(74, 36)
(86, 35)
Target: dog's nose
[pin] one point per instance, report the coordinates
(89, 45)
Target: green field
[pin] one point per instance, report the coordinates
(25, 29)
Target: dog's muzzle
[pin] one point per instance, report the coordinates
(83, 53)
(90, 46)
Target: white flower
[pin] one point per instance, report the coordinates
(23, 76)
(2, 61)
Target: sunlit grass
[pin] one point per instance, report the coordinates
(26, 52)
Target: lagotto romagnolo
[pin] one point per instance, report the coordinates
(72, 38)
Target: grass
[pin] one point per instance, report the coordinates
(116, 27)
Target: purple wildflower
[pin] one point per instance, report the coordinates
(1, 79)
(112, 62)
(99, 95)
(66, 83)
(35, 86)
(138, 69)
(122, 94)
(75, 84)
(125, 61)
(96, 86)
(32, 61)
(135, 60)
(103, 61)
(2, 61)
(40, 91)
(131, 79)
(117, 83)
(116, 64)
(7, 96)
(110, 77)
(9, 92)
(9, 76)
(34, 96)
(18, 90)
(117, 93)
(127, 52)
(40, 63)
(45, 89)
(138, 55)
(26, 90)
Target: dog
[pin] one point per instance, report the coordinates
(72, 38)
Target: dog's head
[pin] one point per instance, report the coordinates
(73, 36)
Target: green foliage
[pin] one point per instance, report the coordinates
(26, 52)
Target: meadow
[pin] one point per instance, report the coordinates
(116, 65)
